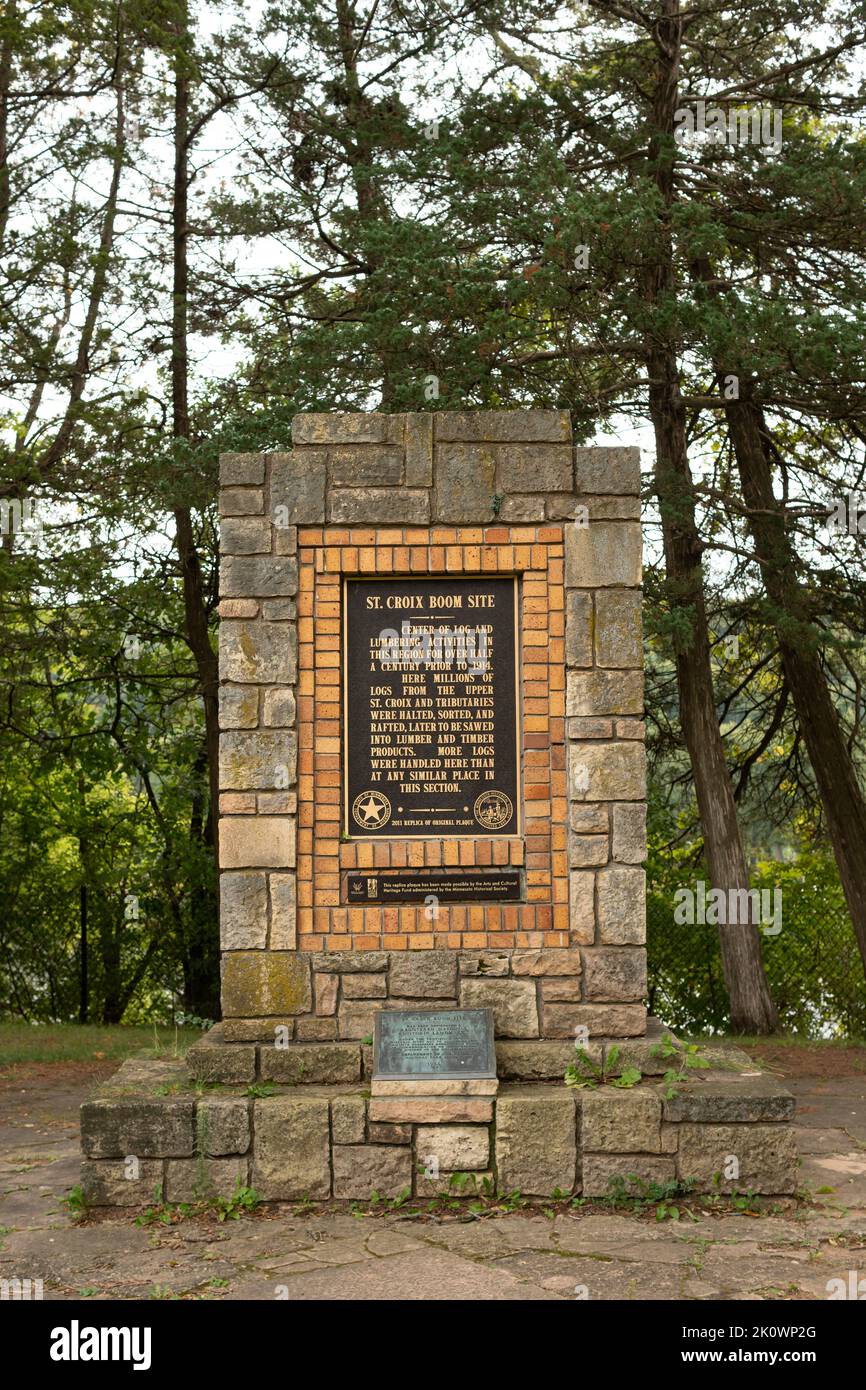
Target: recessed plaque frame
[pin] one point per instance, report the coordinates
(397, 1032)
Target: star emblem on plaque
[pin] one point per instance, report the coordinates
(371, 810)
(493, 810)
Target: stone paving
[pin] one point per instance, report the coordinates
(791, 1252)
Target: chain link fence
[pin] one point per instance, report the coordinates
(813, 966)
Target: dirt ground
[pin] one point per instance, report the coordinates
(790, 1251)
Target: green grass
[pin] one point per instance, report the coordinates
(89, 1042)
(776, 1039)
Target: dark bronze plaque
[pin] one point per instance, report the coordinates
(416, 886)
(430, 726)
(449, 1044)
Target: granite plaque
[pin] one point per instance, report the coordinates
(416, 886)
(430, 708)
(449, 1044)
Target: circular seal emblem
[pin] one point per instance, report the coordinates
(371, 810)
(493, 810)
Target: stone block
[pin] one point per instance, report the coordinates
(433, 1086)
(465, 482)
(484, 963)
(534, 468)
(603, 554)
(280, 708)
(515, 1011)
(621, 906)
(222, 1125)
(348, 1119)
(522, 509)
(311, 1063)
(602, 1020)
(263, 983)
(431, 1110)
(587, 851)
(243, 911)
(197, 1179)
(283, 890)
(361, 1170)
(238, 706)
(266, 842)
(224, 1062)
(581, 906)
(292, 1148)
(242, 470)
(349, 428)
(618, 628)
(455, 1148)
(628, 843)
(599, 692)
(363, 986)
(256, 652)
(346, 962)
(588, 818)
(259, 759)
(311, 1029)
(726, 1100)
(241, 501)
(419, 449)
(424, 974)
(356, 1017)
(551, 962)
(360, 465)
(504, 426)
(619, 1121)
(607, 470)
(599, 1171)
(607, 771)
(545, 1060)
(766, 1155)
(617, 974)
(536, 1148)
(298, 488)
(245, 536)
(325, 991)
(390, 1134)
(109, 1182)
(561, 988)
(138, 1126)
(258, 576)
(380, 506)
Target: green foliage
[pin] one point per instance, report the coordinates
(243, 1199)
(587, 1074)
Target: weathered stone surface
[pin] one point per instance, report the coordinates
(522, 509)
(538, 1061)
(561, 988)
(283, 890)
(345, 962)
(515, 1012)
(245, 536)
(710, 1098)
(108, 1182)
(356, 1017)
(380, 506)
(359, 465)
(424, 974)
(325, 991)
(465, 477)
(766, 1154)
(614, 973)
(141, 1126)
(360, 1171)
(261, 758)
(298, 488)
(239, 706)
(433, 1086)
(292, 1147)
(280, 708)
(259, 576)
(237, 1030)
(431, 1110)
(262, 983)
(602, 554)
(454, 1147)
(581, 906)
(241, 501)
(484, 963)
(311, 1029)
(243, 911)
(348, 1119)
(215, 1060)
(280, 610)
(242, 470)
(587, 851)
(325, 428)
(609, 771)
(311, 1063)
(602, 1020)
(419, 449)
(588, 818)
(599, 692)
(611, 508)
(631, 728)
(607, 470)
(222, 1125)
(194, 1179)
(285, 543)
(599, 1171)
(536, 1149)
(540, 962)
(534, 468)
(621, 906)
(253, 652)
(390, 1134)
(618, 629)
(619, 1121)
(582, 726)
(360, 986)
(266, 842)
(503, 426)
(628, 843)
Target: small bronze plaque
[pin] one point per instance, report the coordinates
(450, 1044)
(418, 886)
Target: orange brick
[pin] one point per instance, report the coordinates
(394, 943)
(349, 558)
(454, 558)
(401, 559)
(309, 536)
(384, 560)
(418, 558)
(367, 561)
(443, 535)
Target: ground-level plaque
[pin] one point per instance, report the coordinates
(416, 886)
(430, 707)
(448, 1044)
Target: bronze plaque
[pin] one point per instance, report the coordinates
(430, 707)
(450, 1044)
(416, 885)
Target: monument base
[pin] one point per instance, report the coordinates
(182, 1131)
